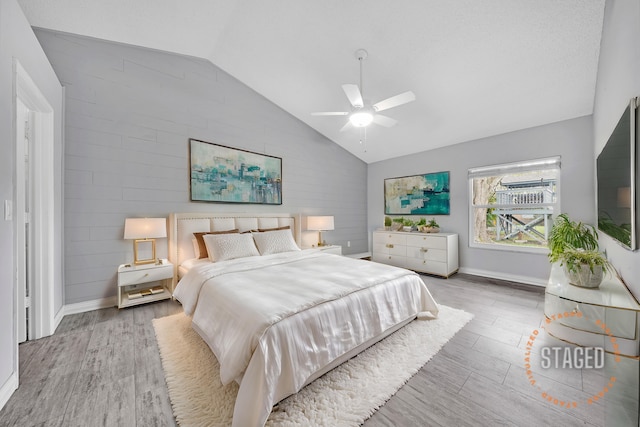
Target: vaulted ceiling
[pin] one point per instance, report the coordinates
(477, 68)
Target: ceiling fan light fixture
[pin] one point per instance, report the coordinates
(361, 119)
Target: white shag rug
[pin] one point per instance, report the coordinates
(345, 396)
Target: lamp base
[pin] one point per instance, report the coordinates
(142, 247)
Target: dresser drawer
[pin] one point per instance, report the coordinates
(424, 253)
(425, 266)
(398, 261)
(622, 323)
(144, 275)
(426, 241)
(390, 249)
(395, 239)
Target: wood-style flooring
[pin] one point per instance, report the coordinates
(102, 368)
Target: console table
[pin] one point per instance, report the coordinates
(611, 304)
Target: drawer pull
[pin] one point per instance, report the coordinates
(389, 245)
(424, 250)
(145, 274)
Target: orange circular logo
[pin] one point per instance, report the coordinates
(581, 357)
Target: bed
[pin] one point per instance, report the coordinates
(277, 317)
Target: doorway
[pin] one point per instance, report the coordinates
(33, 210)
(24, 259)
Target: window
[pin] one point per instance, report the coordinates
(512, 205)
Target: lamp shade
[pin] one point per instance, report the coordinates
(145, 228)
(320, 223)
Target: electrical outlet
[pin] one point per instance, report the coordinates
(348, 243)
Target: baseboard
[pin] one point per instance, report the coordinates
(58, 318)
(8, 388)
(502, 276)
(96, 304)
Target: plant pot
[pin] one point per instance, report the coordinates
(428, 229)
(584, 278)
(396, 226)
(407, 228)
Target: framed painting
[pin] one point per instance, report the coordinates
(230, 175)
(426, 194)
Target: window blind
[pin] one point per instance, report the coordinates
(529, 165)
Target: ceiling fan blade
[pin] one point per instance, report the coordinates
(385, 121)
(346, 127)
(353, 93)
(394, 101)
(330, 113)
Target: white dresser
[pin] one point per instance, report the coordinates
(611, 305)
(433, 253)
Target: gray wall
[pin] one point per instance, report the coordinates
(570, 139)
(18, 41)
(129, 114)
(618, 81)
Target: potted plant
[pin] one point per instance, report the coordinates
(431, 227)
(575, 246)
(407, 224)
(585, 268)
(387, 223)
(397, 223)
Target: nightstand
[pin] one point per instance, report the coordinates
(135, 283)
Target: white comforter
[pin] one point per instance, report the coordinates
(275, 321)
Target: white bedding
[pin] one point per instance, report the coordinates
(274, 321)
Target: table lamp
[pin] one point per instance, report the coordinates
(144, 232)
(320, 224)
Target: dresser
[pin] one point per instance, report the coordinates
(577, 314)
(432, 253)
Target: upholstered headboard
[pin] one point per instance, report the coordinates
(183, 225)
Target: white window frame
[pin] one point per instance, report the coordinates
(515, 167)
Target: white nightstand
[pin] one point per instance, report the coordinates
(332, 249)
(135, 283)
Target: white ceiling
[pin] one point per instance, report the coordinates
(478, 68)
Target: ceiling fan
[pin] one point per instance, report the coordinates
(363, 112)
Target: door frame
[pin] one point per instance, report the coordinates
(42, 315)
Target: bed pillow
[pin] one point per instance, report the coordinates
(222, 247)
(274, 242)
(202, 248)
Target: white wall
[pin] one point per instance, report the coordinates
(618, 81)
(129, 114)
(569, 139)
(17, 41)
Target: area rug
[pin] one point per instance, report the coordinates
(345, 396)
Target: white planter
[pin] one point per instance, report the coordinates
(584, 278)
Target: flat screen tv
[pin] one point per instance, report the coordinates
(617, 181)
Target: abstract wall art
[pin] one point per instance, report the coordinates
(231, 175)
(426, 194)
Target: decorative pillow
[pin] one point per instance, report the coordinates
(222, 247)
(202, 248)
(274, 242)
(286, 227)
